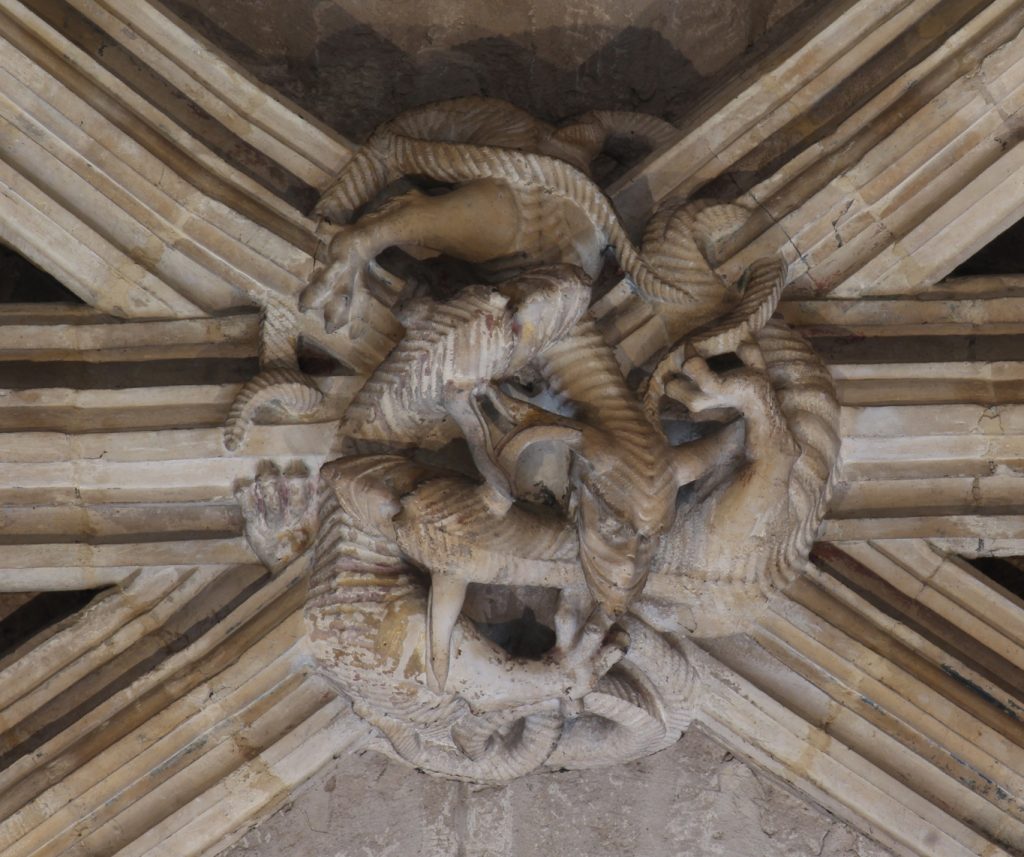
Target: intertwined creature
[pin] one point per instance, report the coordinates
(499, 468)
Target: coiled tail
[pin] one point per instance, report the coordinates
(287, 389)
(627, 495)
(528, 744)
(362, 177)
(460, 120)
(741, 540)
(365, 613)
(642, 706)
(808, 401)
(607, 124)
(279, 384)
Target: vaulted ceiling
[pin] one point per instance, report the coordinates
(149, 166)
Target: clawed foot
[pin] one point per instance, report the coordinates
(343, 288)
(701, 389)
(279, 512)
(595, 652)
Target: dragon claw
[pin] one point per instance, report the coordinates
(279, 512)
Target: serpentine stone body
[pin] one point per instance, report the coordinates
(499, 472)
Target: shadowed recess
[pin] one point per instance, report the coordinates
(354, 75)
(120, 62)
(23, 282)
(1008, 573)
(1002, 256)
(39, 613)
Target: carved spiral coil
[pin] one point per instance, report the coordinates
(644, 705)
(807, 399)
(285, 388)
(643, 127)
(726, 578)
(361, 589)
(279, 383)
(365, 597)
(754, 493)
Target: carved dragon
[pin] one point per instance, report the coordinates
(522, 197)
(570, 482)
(427, 392)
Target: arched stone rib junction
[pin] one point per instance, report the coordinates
(164, 494)
(190, 710)
(931, 449)
(131, 211)
(886, 685)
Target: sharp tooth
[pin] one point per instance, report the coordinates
(447, 595)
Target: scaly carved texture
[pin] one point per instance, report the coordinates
(469, 338)
(367, 607)
(751, 535)
(626, 470)
(455, 346)
(279, 383)
(365, 617)
(485, 121)
(445, 528)
(471, 139)
(365, 613)
(642, 706)
(745, 531)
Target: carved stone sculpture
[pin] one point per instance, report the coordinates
(499, 472)
(280, 385)
(279, 512)
(522, 197)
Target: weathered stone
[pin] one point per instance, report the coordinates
(694, 798)
(172, 192)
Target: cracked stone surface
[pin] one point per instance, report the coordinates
(694, 799)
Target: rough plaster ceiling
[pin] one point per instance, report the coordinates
(694, 799)
(354, 64)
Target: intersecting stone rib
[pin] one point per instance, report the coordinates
(303, 146)
(772, 734)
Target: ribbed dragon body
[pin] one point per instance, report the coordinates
(478, 121)
(404, 400)
(452, 347)
(473, 140)
(743, 539)
(627, 483)
(443, 696)
(366, 612)
(280, 383)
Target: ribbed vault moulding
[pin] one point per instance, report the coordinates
(878, 151)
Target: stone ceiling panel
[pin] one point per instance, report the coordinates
(875, 150)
